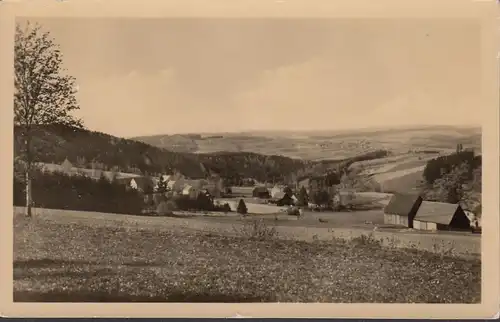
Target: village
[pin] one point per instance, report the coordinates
(398, 212)
(246, 161)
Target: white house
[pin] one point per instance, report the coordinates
(176, 185)
(190, 191)
(276, 192)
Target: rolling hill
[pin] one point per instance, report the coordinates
(322, 145)
(55, 143)
(394, 158)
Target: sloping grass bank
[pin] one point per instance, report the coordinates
(85, 261)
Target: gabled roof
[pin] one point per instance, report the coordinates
(401, 204)
(279, 195)
(436, 212)
(261, 189)
(143, 182)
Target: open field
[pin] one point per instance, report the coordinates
(89, 257)
(339, 225)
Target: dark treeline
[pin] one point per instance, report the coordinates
(437, 168)
(88, 149)
(60, 191)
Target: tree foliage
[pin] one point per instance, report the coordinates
(321, 198)
(438, 167)
(44, 94)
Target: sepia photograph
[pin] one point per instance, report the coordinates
(248, 160)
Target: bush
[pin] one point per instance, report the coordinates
(293, 211)
(257, 229)
(226, 207)
(165, 208)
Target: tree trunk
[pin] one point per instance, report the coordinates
(29, 200)
(28, 194)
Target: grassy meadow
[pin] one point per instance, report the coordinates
(86, 261)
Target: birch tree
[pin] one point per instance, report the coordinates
(43, 95)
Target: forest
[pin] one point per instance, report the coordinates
(90, 149)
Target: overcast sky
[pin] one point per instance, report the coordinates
(155, 76)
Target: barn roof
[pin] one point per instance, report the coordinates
(261, 189)
(143, 182)
(436, 212)
(401, 204)
(279, 195)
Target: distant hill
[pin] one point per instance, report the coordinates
(321, 145)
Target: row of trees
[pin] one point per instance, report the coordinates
(60, 191)
(455, 178)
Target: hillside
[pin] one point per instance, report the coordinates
(53, 144)
(333, 145)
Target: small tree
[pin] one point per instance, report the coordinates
(43, 94)
(226, 207)
(242, 207)
(303, 197)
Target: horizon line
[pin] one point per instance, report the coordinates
(341, 130)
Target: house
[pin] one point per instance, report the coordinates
(190, 191)
(304, 183)
(142, 184)
(321, 183)
(167, 177)
(401, 209)
(441, 216)
(66, 166)
(124, 181)
(261, 192)
(213, 189)
(176, 185)
(277, 192)
(283, 199)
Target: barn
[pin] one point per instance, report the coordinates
(261, 192)
(441, 216)
(401, 209)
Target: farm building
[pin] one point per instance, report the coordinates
(277, 192)
(441, 216)
(261, 192)
(402, 209)
(142, 184)
(242, 191)
(213, 189)
(304, 183)
(283, 199)
(166, 177)
(66, 166)
(190, 191)
(176, 185)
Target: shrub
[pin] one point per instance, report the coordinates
(257, 229)
(226, 207)
(242, 207)
(164, 208)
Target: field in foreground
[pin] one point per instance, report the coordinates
(85, 261)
